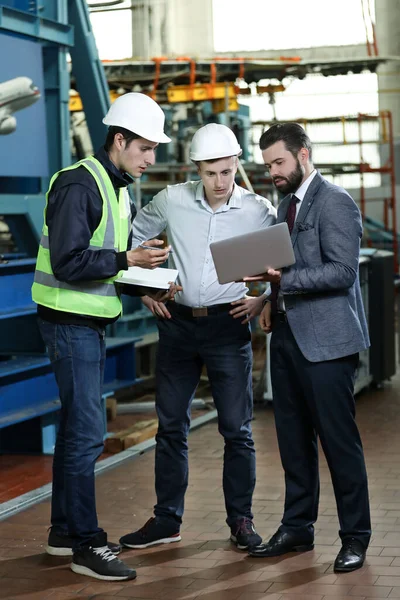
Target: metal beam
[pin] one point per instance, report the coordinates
(30, 205)
(88, 72)
(158, 74)
(56, 80)
(34, 26)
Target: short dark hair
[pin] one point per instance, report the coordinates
(291, 134)
(129, 136)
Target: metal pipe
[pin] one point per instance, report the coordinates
(244, 176)
(393, 192)
(108, 6)
(227, 115)
(105, 4)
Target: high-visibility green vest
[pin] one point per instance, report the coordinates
(91, 298)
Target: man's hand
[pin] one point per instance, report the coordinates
(248, 307)
(148, 259)
(265, 318)
(157, 308)
(165, 295)
(271, 275)
(155, 302)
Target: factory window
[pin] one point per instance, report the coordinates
(263, 26)
(317, 96)
(113, 32)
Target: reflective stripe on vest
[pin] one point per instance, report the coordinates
(99, 288)
(92, 298)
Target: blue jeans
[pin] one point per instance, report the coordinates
(223, 345)
(77, 354)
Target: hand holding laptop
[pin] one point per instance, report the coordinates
(254, 256)
(271, 275)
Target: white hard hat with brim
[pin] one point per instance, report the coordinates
(140, 114)
(214, 141)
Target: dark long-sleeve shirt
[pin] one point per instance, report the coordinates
(73, 214)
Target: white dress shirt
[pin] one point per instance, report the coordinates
(191, 225)
(301, 192)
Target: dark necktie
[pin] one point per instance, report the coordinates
(290, 219)
(291, 213)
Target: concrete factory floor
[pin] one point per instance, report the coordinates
(204, 563)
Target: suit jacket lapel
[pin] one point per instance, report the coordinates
(283, 208)
(306, 204)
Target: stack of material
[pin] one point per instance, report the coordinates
(137, 433)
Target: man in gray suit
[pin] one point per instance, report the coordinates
(319, 327)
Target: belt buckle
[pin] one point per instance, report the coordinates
(201, 311)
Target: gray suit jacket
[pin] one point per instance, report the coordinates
(322, 290)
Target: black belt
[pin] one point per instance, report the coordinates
(199, 311)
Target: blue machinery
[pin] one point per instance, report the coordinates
(39, 35)
(28, 393)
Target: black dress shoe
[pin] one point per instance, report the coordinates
(281, 543)
(350, 557)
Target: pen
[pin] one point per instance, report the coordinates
(152, 247)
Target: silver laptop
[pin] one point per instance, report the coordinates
(252, 253)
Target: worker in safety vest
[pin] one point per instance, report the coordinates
(83, 249)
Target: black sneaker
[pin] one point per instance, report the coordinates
(60, 544)
(100, 563)
(244, 535)
(155, 531)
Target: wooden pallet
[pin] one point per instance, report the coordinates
(137, 433)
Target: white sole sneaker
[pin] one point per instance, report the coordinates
(81, 570)
(238, 546)
(170, 540)
(54, 551)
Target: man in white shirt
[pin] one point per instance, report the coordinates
(208, 324)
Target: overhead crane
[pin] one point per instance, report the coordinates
(219, 79)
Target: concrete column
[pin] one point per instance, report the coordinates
(388, 38)
(191, 30)
(172, 28)
(140, 29)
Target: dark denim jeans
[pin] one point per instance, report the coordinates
(223, 345)
(77, 355)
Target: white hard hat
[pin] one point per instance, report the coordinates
(140, 114)
(214, 141)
